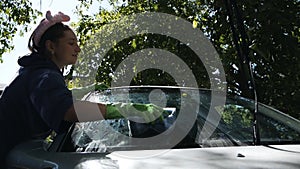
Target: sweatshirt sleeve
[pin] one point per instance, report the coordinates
(51, 98)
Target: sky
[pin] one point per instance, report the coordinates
(9, 67)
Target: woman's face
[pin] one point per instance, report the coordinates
(65, 51)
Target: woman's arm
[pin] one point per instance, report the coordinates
(85, 111)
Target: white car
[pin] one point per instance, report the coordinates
(200, 131)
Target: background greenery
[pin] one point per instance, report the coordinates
(270, 40)
(14, 15)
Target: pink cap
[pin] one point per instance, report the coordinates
(47, 23)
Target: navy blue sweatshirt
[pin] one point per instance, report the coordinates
(33, 104)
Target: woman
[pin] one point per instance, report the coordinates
(38, 101)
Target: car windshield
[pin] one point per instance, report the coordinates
(232, 124)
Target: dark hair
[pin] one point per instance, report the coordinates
(53, 33)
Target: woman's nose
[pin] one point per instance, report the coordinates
(77, 49)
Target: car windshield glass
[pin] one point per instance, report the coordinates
(233, 128)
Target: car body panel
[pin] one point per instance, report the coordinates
(244, 157)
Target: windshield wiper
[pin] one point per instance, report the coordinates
(242, 48)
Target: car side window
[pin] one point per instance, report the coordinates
(237, 121)
(273, 131)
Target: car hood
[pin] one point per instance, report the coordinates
(244, 157)
(248, 157)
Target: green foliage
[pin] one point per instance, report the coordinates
(13, 14)
(238, 120)
(90, 24)
(275, 51)
(272, 28)
(235, 116)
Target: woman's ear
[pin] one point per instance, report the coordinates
(50, 46)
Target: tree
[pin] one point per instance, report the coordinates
(271, 39)
(13, 15)
(89, 25)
